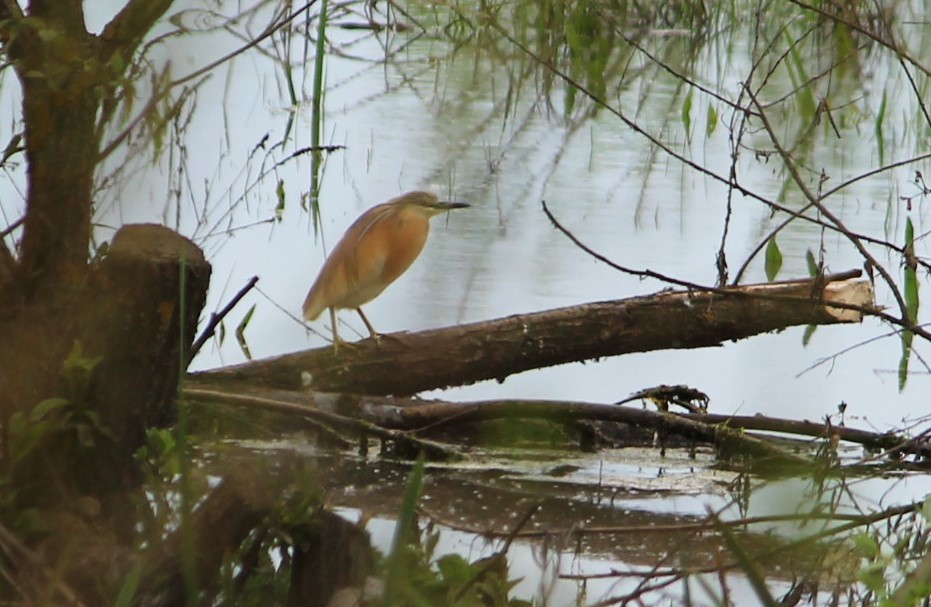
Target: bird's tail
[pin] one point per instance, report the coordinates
(313, 305)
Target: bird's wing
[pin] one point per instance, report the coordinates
(343, 278)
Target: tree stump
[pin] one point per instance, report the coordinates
(109, 352)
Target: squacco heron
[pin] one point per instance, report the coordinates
(376, 249)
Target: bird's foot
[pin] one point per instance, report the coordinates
(395, 337)
(339, 343)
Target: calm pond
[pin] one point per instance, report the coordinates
(462, 104)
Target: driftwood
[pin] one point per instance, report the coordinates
(409, 421)
(407, 363)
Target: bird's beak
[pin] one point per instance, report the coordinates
(447, 206)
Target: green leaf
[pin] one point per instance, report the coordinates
(911, 275)
(873, 577)
(911, 300)
(800, 81)
(687, 115)
(569, 101)
(813, 269)
(49, 404)
(926, 507)
(241, 332)
(454, 569)
(907, 337)
(76, 361)
(880, 118)
(773, 259)
(279, 192)
(403, 533)
(866, 545)
(747, 565)
(24, 436)
(808, 334)
(129, 587)
(711, 121)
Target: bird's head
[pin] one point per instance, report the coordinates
(427, 203)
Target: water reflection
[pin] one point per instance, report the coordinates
(414, 125)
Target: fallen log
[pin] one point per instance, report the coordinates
(407, 363)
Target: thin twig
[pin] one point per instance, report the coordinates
(158, 96)
(430, 448)
(217, 317)
(660, 144)
(728, 291)
(9, 229)
(837, 224)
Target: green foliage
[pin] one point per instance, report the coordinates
(895, 560)
(414, 577)
(910, 294)
(876, 566)
(711, 120)
(70, 422)
(73, 413)
(687, 115)
(926, 508)
(158, 457)
(130, 586)
(813, 267)
(808, 334)
(407, 517)
(316, 120)
(798, 75)
(747, 565)
(448, 580)
(280, 195)
(878, 127)
(773, 259)
(241, 332)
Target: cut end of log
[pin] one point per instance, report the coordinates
(848, 292)
(154, 242)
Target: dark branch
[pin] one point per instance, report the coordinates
(126, 30)
(217, 317)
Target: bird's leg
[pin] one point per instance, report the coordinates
(337, 340)
(335, 334)
(368, 325)
(375, 334)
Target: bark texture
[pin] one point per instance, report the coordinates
(108, 355)
(407, 363)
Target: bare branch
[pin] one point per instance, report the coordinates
(838, 224)
(130, 25)
(217, 317)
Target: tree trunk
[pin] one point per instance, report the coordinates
(59, 67)
(61, 154)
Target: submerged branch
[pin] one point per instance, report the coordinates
(402, 419)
